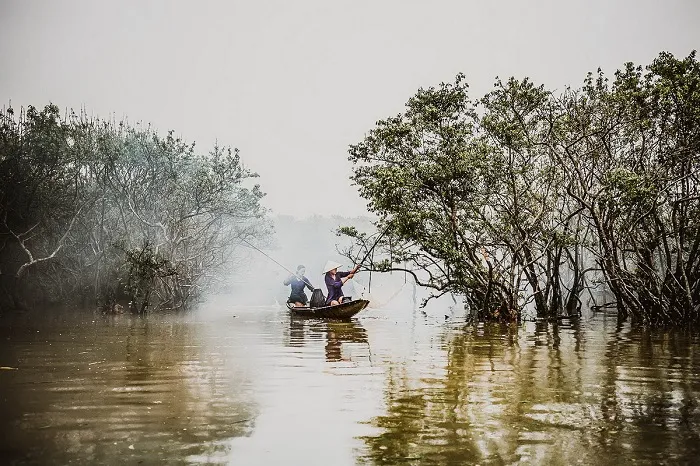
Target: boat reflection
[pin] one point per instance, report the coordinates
(339, 336)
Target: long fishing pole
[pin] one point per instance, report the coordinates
(273, 260)
(369, 251)
(370, 272)
(374, 245)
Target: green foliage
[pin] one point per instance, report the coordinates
(72, 187)
(520, 199)
(348, 231)
(142, 266)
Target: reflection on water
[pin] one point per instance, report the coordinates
(255, 386)
(547, 394)
(344, 341)
(341, 337)
(113, 389)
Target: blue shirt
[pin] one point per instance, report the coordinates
(298, 285)
(335, 287)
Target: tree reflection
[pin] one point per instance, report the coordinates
(133, 389)
(653, 387)
(544, 393)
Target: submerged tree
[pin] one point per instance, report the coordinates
(41, 194)
(631, 157)
(107, 211)
(467, 198)
(523, 198)
(416, 169)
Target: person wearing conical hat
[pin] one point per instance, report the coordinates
(335, 281)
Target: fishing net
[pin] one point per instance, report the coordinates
(376, 300)
(317, 298)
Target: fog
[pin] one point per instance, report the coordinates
(256, 276)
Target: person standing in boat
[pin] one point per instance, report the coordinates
(298, 282)
(335, 281)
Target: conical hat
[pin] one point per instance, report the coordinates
(330, 265)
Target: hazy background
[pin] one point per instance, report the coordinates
(292, 83)
(257, 279)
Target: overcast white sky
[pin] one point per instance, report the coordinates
(293, 83)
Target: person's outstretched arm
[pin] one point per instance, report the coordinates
(348, 275)
(307, 283)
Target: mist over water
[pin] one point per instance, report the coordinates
(241, 381)
(243, 384)
(256, 279)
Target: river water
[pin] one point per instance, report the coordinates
(252, 386)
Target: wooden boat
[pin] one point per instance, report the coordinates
(344, 310)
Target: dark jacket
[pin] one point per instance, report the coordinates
(297, 294)
(335, 287)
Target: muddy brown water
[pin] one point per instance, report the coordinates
(252, 386)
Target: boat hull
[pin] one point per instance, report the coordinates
(341, 311)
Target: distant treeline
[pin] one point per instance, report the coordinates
(529, 197)
(109, 213)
